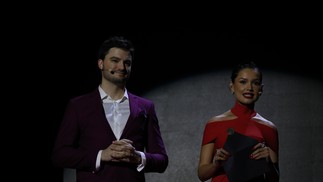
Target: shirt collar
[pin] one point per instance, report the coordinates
(104, 96)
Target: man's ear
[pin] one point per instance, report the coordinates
(100, 64)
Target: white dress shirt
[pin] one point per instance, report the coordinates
(117, 113)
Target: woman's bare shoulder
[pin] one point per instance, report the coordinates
(222, 117)
(264, 121)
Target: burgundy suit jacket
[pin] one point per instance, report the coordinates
(85, 130)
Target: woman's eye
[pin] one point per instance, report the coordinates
(243, 81)
(257, 83)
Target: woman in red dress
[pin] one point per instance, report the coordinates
(259, 162)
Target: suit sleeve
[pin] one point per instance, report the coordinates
(156, 155)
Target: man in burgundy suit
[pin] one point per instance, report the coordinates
(110, 134)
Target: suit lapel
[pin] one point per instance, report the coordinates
(133, 102)
(100, 113)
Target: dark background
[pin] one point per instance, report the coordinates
(54, 59)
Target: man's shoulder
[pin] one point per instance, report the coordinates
(86, 96)
(139, 98)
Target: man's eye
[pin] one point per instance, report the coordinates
(128, 63)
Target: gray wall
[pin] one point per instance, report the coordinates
(292, 102)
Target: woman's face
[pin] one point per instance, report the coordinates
(247, 86)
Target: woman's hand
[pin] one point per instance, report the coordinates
(263, 151)
(221, 155)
